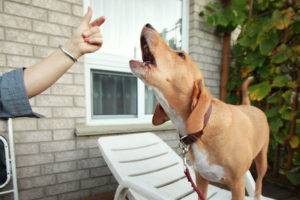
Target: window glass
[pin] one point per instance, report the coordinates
(114, 93)
(125, 19)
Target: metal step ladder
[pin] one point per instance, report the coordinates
(10, 162)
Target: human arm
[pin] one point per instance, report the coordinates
(86, 39)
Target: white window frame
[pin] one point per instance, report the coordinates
(110, 62)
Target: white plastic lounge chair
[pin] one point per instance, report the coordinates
(147, 168)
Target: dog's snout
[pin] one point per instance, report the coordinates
(149, 26)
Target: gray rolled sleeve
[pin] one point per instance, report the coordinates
(13, 98)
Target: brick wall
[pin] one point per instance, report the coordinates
(52, 163)
(205, 47)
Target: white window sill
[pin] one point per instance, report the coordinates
(89, 130)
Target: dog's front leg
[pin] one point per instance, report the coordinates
(238, 189)
(202, 184)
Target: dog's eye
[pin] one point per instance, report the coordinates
(181, 54)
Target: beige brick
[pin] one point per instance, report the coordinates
(79, 101)
(57, 146)
(5, 69)
(71, 155)
(25, 149)
(42, 52)
(94, 153)
(69, 112)
(90, 163)
(50, 198)
(24, 124)
(63, 134)
(15, 22)
(47, 112)
(87, 142)
(58, 167)
(66, 79)
(53, 29)
(32, 101)
(20, 61)
(56, 41)
(77, 68)
(26, 183)
(100, 171)
(79, 79)
(94, 182)
(64, 19)
(49, 100)
(55, 124)
(2, 60)
(25, 11)
(33, 136)
(80, 120)
(72, 176)
(3, 125)
(30, 160)
(61, 89)
(22, 1)
(1, 33)
(15, 48)
(26, 37)
(34, 193)
(79, 2)
(77, 10)
(53, 5)
(31, 171)
(62, 188)
(81, 194)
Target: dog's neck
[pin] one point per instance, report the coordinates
(177, 114)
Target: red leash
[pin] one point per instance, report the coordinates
(194, 186)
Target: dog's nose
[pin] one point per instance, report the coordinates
(149, 26)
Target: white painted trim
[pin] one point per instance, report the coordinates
(109, 62)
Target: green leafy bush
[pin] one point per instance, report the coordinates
(268, 48)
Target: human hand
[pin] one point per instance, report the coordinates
(87, 37)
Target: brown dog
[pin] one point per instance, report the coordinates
(234, 135)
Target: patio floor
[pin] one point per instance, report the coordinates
(102, 196)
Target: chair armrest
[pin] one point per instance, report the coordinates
(143, 189)
(250, 184)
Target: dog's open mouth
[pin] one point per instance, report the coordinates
(147, 56)
(148, 63)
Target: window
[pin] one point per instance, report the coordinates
(113, 94)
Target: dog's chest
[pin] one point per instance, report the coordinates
(207, 170)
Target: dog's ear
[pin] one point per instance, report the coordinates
(200, 103)
(159, 116)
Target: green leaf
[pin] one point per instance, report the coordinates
(268, 43)
(287, 96)
(259, 91)
(275, 124)
(296, 159)
(294, 142)
(274, 98)
(283, 52)
(294, 176)
(285, 112)
(280, 81)
(279, 58)
(272, 112)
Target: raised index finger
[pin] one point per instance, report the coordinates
(98, 22)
